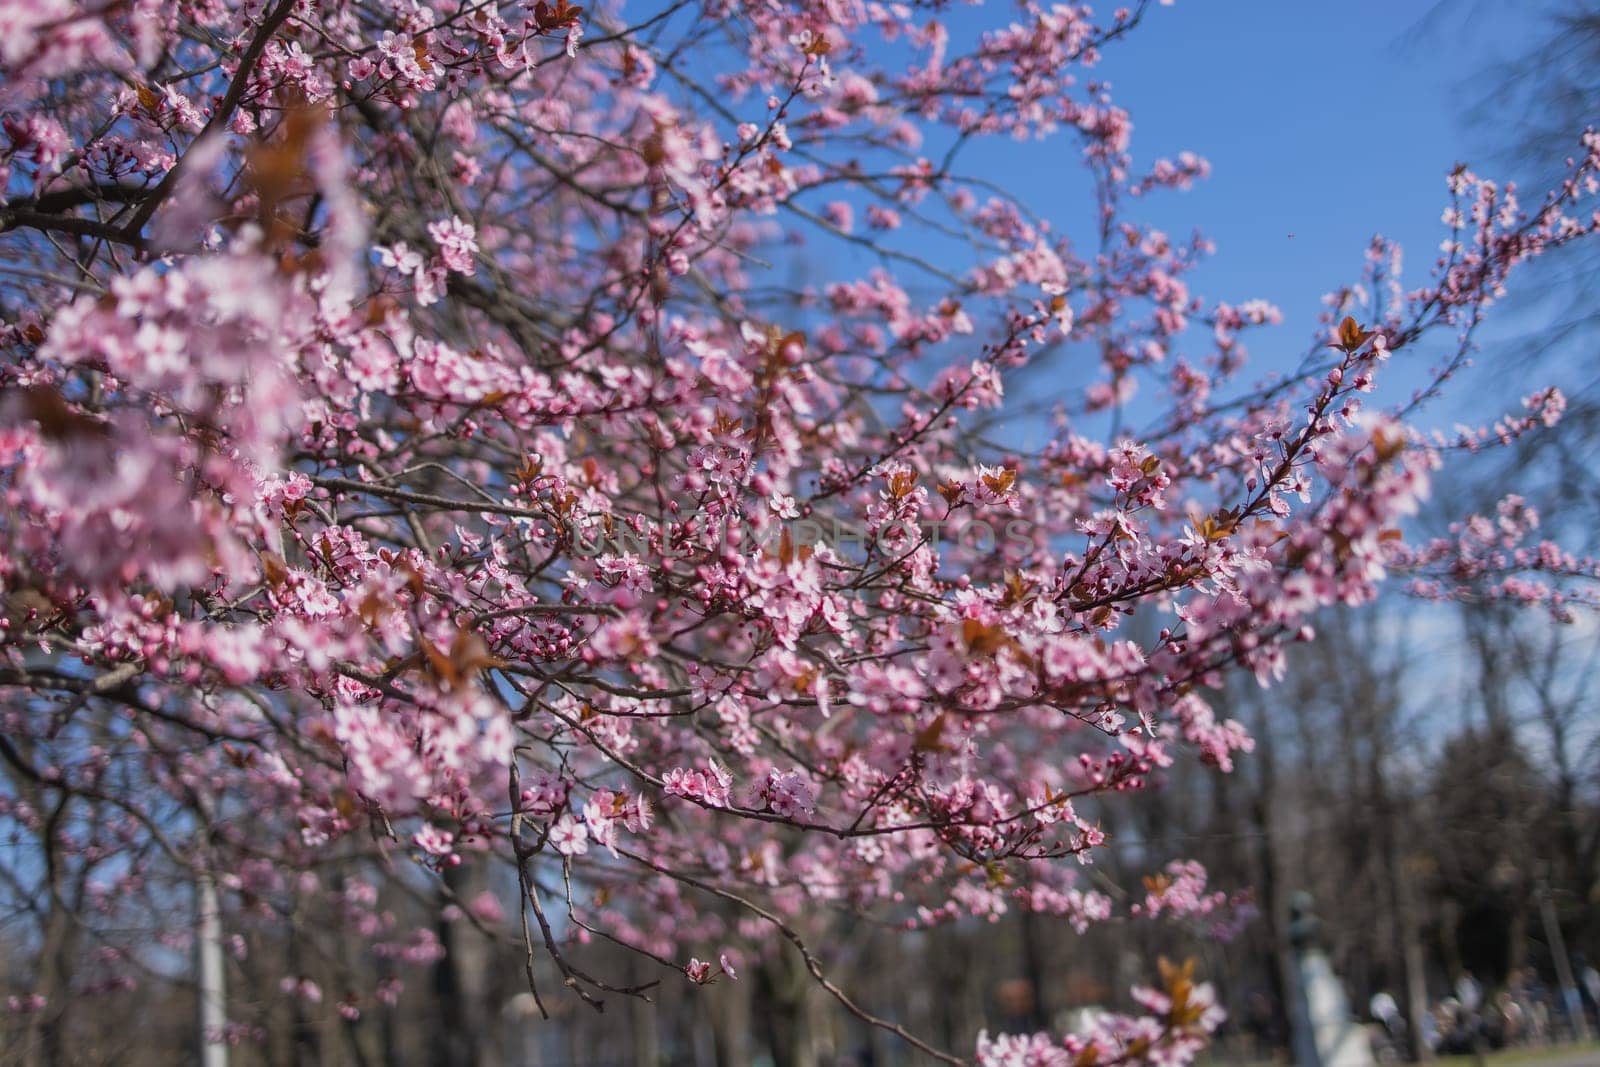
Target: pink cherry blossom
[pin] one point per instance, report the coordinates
(436, 442)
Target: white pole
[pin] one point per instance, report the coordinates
(211, 1014)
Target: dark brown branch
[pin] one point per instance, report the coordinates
(219, 118)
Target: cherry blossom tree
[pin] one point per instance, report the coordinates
(418, 455)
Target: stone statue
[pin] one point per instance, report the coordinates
(1325, 1033)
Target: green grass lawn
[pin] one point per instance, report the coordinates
(1589, 1053)
(1574, 1055)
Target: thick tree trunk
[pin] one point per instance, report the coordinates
(306, 1041)
(463, 981)
(1274, 899)
(646, 1031)
(46, 1040)
(731, 1024)
(792, 1024)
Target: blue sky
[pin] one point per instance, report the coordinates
(1328, 121)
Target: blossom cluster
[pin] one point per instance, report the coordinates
(337, 340)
